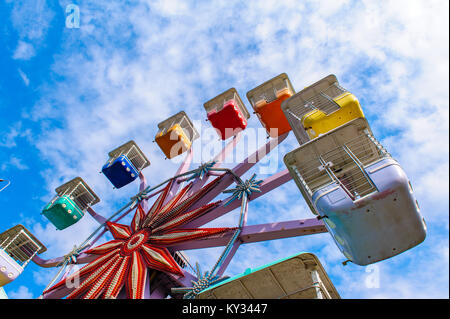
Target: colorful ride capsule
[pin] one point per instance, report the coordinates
(362, 194)
(227, 113)
(301, 276)
(17, 247)
(320, 108)
(266, 101)
(124, 164)
(69, 205)
(176, 134)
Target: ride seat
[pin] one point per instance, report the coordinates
(174, 141)
(120, 172)
(271, 115)
(228, 120)
(317, 122)
(63, 212)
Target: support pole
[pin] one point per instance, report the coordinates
(260, 232)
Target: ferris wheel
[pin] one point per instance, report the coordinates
(358, 193)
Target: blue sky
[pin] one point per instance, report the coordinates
(68, 96)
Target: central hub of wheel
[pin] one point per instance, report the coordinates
(134, 243)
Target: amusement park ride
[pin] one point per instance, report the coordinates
(358, 192)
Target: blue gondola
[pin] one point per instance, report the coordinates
(124, 164)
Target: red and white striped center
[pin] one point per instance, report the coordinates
(135, 242)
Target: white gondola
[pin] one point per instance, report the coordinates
(362, 194)
(17, 247)
(296, 277)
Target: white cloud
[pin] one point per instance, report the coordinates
(31, 21)
(21, 293)
(24, 77)
(16, 131)
(24, 51)
(14, 162)
(170, 8)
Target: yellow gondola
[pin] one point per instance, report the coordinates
(320, 108)
(176, 134)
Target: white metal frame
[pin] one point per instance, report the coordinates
(305, 267)
(185, 123)
(318, 96)
(79, 192)
(337, 156)
(134, 154)
(20, 245)
(219, 101)
(268, 90)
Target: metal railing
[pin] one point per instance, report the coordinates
(343, 165)
(185, 125)
(269, 94)
(134, 154)
(21, 248)
(323, 101)
(136, 158)
(80, 195)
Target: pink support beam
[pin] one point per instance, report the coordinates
(158, 293)
(142, 182)
(261, 232)
(228, 148)
(142, 187)
(102, 220)
(287, 229)
(184, 167)
(99, 218)
(218, 159)
(240, 169)
(250, 161)
(266, 186)
(49, 263)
